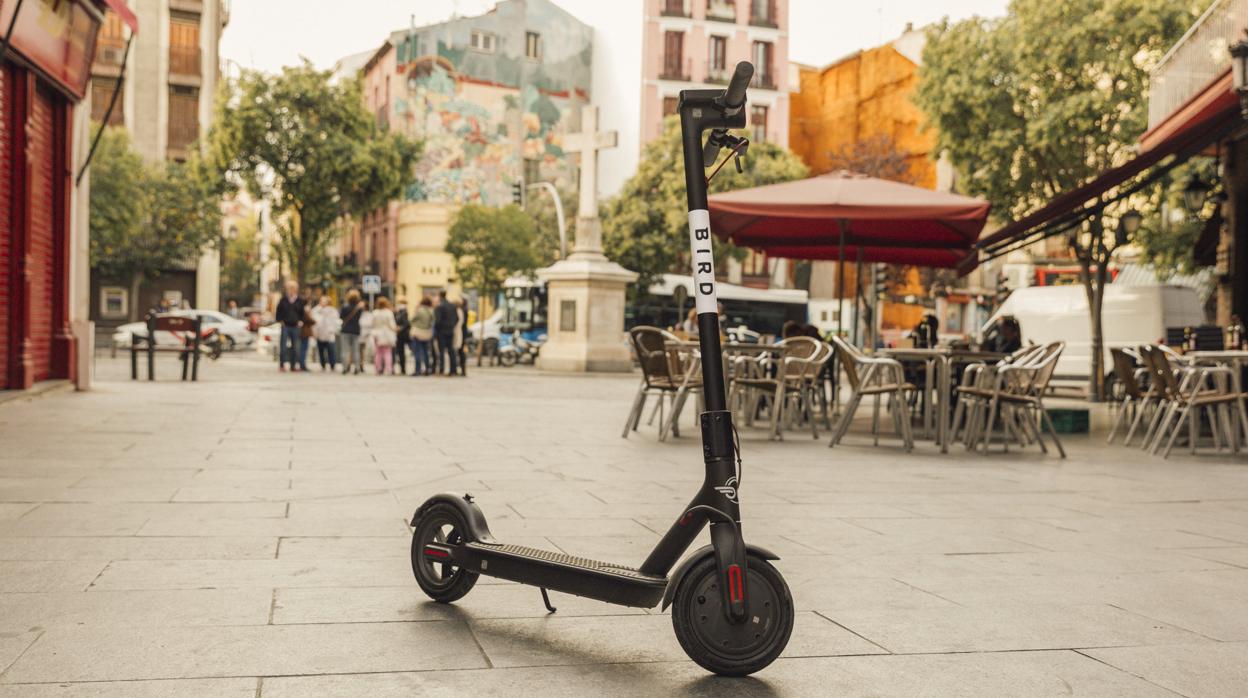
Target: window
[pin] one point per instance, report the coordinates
(111, 42)
(483, 41)
(102, 89)
(718, 60)
(765, 76)
(183, 119)
(754, 264)
(674, 56)
(533, 45)
(674, 8)
(184, 43)
(758, 123)
(763, 13)
(114, 302)
(669, 105)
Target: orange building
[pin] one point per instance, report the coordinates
(860, 106)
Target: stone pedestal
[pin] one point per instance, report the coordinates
(585, 312)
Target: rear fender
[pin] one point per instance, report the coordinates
(698, 555)
(478, 531)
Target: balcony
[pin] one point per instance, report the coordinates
(763, 14)
(718, 76)
(184, 60)
(675, 8)
(764, 80)
(674, 68)
(1196, 60)
(720, 11)
(109, 51)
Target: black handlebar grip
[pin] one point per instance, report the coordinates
(734, 96)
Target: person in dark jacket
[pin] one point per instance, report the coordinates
(445, 322)
(352, 357)
(463, 337)
(404, 325)
(290, 311)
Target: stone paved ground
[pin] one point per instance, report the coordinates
(246, 536)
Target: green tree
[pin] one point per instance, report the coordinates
(490, 244)
(306, 144)
(1045, 99)
(240, 263)
(646, 226)
(148, 218)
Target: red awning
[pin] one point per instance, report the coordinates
(1188, 131)
(885, 221)
(119, 6)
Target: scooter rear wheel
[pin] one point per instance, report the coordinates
(442, 581)
(720, 646)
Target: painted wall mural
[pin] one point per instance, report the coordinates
(489, 118)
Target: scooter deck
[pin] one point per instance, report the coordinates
(579, 576)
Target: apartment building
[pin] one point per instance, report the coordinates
(171, 77)
(691, 44)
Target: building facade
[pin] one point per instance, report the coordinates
(491, 97)
(860, 104)
(44, 78)
(696, 44)
(166, 104)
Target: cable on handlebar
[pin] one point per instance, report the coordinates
(736, 150)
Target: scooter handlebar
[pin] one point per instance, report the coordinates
(734, 96)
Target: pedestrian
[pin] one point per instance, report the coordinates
(350, 315)
(385, 335)
(326, 332)
(290, 313)
(231, 309)
(445, 325)
(404, 334)
(422, 334)
(305, 332)
(462, 347)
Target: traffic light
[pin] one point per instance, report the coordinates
(1003, 287)
(517, 194)
(881, 280)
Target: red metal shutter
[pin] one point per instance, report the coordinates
(6, 233)
(42, 256)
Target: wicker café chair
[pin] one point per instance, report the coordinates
(659, 376)
(873, 377)
(784, 388)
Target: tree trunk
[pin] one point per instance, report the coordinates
(1098, 333)
(481, 319)
(1085, 275)
(136, 280)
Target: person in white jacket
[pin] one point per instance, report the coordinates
(326, 333)
(385, 333)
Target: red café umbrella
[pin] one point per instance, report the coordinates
(884, 221)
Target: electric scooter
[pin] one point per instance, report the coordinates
(731, 609)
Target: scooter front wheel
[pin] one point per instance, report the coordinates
(733, 649)
(442, 581)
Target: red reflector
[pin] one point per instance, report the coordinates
(434, 552)
(736, 590)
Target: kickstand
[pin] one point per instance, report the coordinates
(546, 600)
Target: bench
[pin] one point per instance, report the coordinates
(185, 328)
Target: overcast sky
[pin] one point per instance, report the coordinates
(268, 34)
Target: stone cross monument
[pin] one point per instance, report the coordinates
(585, 315)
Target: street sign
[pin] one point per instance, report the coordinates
(371, 284)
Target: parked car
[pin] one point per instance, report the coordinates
(233, 331)
(268, 338)
(1130, 316)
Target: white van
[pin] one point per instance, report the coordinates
(1130, 316)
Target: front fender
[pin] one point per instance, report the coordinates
(673, 581)
(474, 518)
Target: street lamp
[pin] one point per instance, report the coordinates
(1239, 68)
(1194, 194)
(1128, 225)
